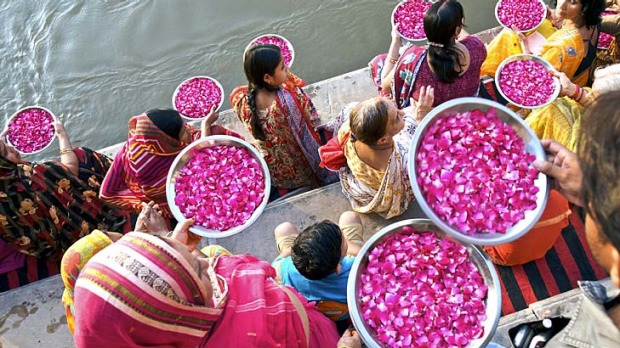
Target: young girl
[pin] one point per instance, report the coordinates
(282, 119)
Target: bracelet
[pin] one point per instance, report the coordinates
(577, 92)
(393, 60)
(65, 151)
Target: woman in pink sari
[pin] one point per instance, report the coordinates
(148, 290)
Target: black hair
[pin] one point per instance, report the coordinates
(599, 150)
(591, 11)
(258, 61)
(317, 250)
(440, 24)
(168, 120)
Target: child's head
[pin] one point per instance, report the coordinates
(259, 63)
(317, 251)
(264, 68)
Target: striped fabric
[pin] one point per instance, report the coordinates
(567, 262)
(148, 290)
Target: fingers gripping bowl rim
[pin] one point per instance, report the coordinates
(188, 80)
(20, 111)
(478, 257)
(532, 145)
(184, 156)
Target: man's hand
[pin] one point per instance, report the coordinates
(349, 339)
(563, 166)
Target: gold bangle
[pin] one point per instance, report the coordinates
(65, 151)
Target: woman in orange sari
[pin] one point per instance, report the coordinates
(282, 119)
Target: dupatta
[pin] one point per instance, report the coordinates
(307, 139)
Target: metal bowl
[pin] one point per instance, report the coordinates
(182, 159)
(521, 31)
(176, 91)
(288, 43)
(540, 60)
(407, 39)
(532, 145)
(19, 112)
(478, 257)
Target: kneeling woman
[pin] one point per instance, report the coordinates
(147, 290)
(375, 142)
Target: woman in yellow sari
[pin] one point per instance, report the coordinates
(571, 49)
(561, 120)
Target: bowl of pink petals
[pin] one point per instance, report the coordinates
(527, 81)
(288, 53)
(415, 286)
(195, 97)
(525, 15)
(471, 170)
(409, 15)
(31, 129)
(222, 182)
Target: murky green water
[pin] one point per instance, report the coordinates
(96, 63)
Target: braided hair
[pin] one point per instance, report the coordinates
(440, 24)
(258, 61)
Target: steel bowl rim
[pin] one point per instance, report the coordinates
(6, 128)
(520, 31)
(288, 43)
(494, 238)
(176, 91)
(355, 315)
(399, 4)
(544, 62)
(171, 194)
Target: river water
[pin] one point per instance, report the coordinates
(96, 63)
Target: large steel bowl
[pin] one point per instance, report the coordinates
(176, 91)
(8, 140)
(184, 156)
(405, 38)
(542, 19)
(544, 62)
(285, 40)
(532, 145)
(478, 257)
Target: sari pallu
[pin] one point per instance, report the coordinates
(138, 174)
(147, 294)
(44, 208)
(560, 121)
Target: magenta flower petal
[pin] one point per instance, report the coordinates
(31, 130)
(410, 18)
(523, 14)
(195, 97)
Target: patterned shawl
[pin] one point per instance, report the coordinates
(370, 190)
(142, 292)
(44, 208)
(141, 166)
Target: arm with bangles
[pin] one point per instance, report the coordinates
(387, 73)
(67, 156)
(572, 90)
(207, 122)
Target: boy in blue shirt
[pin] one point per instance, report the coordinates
(317, 261)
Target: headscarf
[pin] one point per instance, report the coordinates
(44, 208)
(168, 120)
(145, 293)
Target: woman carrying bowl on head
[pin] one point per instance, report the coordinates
(450, 64)
(45, 207)
(375, 141)
(570, 49)
(154, 290)
(282, 119)
(140, 168)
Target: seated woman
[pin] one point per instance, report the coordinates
(375, 142)
(561, 120)
(45, 207)
(282, 119)
(570, 50)
(140, 168)
(450, 64)
(150, 290)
